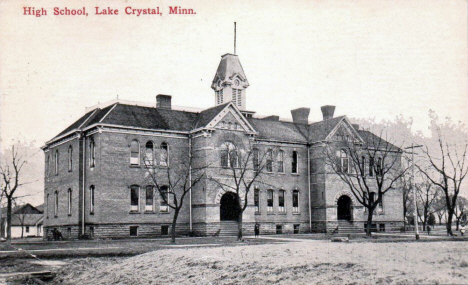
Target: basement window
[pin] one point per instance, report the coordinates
(133, 231)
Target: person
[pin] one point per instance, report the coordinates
(462, 229)
(428, 230)
(257, 230)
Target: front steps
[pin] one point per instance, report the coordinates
(346, 227)
(228, 228)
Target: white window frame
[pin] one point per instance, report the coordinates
(149, 208)
(135, 160)
(282, 209)
(295, 209)
(56, 201)
(270, 208)
(164, 207)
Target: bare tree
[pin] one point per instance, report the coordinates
(370, 168)
(427, 196)
(246, 165)
(174, 181)
(460, 210)
(440, 208)
(407, 197)
(20, 215)
(446, 167)
(10, 181)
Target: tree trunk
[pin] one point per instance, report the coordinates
(22, 231)
(369, 222)
(239, 226)
(440, 219)
(9, 206)
(449, 222)
(173, 229)
(458, 223)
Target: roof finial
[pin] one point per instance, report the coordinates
(234, 38)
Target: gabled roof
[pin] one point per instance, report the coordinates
(26, 209)
(277, 130)
(375, 141)
(206, 116)
(320, 130)
(26, 219)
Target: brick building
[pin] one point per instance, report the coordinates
(96, 181)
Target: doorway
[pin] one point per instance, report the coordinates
(229, 208)
(344, 208)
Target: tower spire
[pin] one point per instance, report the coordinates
(234, 37)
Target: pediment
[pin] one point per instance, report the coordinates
(344, 131)
(231, 119)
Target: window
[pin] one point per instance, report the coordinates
(135, 153)
(234, 96)
(56, 162)
(164, 154)
(371, 166)
(69, 201)
(296, 228)
(294, 162)
(279, 161)
(255, 159)
(295, 201)
(69, 234)
(270, 201)
(47, 206)
(344, 161)
(379, 167)
(380, 200)
(164, 230)
(70, 158)
(149, 199)
(257, 199)
(239, 97)
(269, 161)
(363, 166)
(48, 166)
(56, 203)
(27, 229)
(229, 155)
(149, 153)
(91, 199)
(381, 227)
(134, 198)
(279, 229)
(92, 153)
(163, 205)
(281, 201)
(133, 231)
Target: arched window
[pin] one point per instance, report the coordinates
(363, 166)
(295, 201)
(344, 161)
(371, 166)
(269, 161)
(149, 153)
(294, 162)
(379, 166)
(255, 159)
(163, 204)
(56, 162)
(270, 200)
(135, 153)
(69, 192)
(70, 158)
(47, 206)
(91, 199)
(257, 199)
(229, 156)
(92, 153)
(149, 199)
(48, 166)
(371, 198)
(281, 207)
(164, 154)
(279, 161)
(134, 198)
(56, 201)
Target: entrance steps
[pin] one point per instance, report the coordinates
(347, 227)
(228, 228)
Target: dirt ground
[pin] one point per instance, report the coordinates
(303, 262)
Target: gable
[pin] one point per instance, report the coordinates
(344, 131)
(230, 118)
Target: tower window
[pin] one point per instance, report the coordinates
(294, 162)
(234, 96)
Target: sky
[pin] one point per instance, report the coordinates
(372, 59)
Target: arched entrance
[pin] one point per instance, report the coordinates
(229, 207)
(344, 208)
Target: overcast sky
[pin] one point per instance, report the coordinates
(369, 58)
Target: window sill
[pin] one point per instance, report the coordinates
(91, 213)
(134, 212)
(295, 174)
(282, 213)
(296, 213)
(134, 166)
(271, 213)
(69, 215)
(164, 213)
(149, 212)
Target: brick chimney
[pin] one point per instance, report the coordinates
(163, 101)
(300, 115)
(327, 112)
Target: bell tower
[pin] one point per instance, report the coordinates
(230, 82)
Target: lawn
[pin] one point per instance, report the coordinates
(304, 262)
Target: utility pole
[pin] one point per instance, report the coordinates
(416, 229)
(234, 38)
